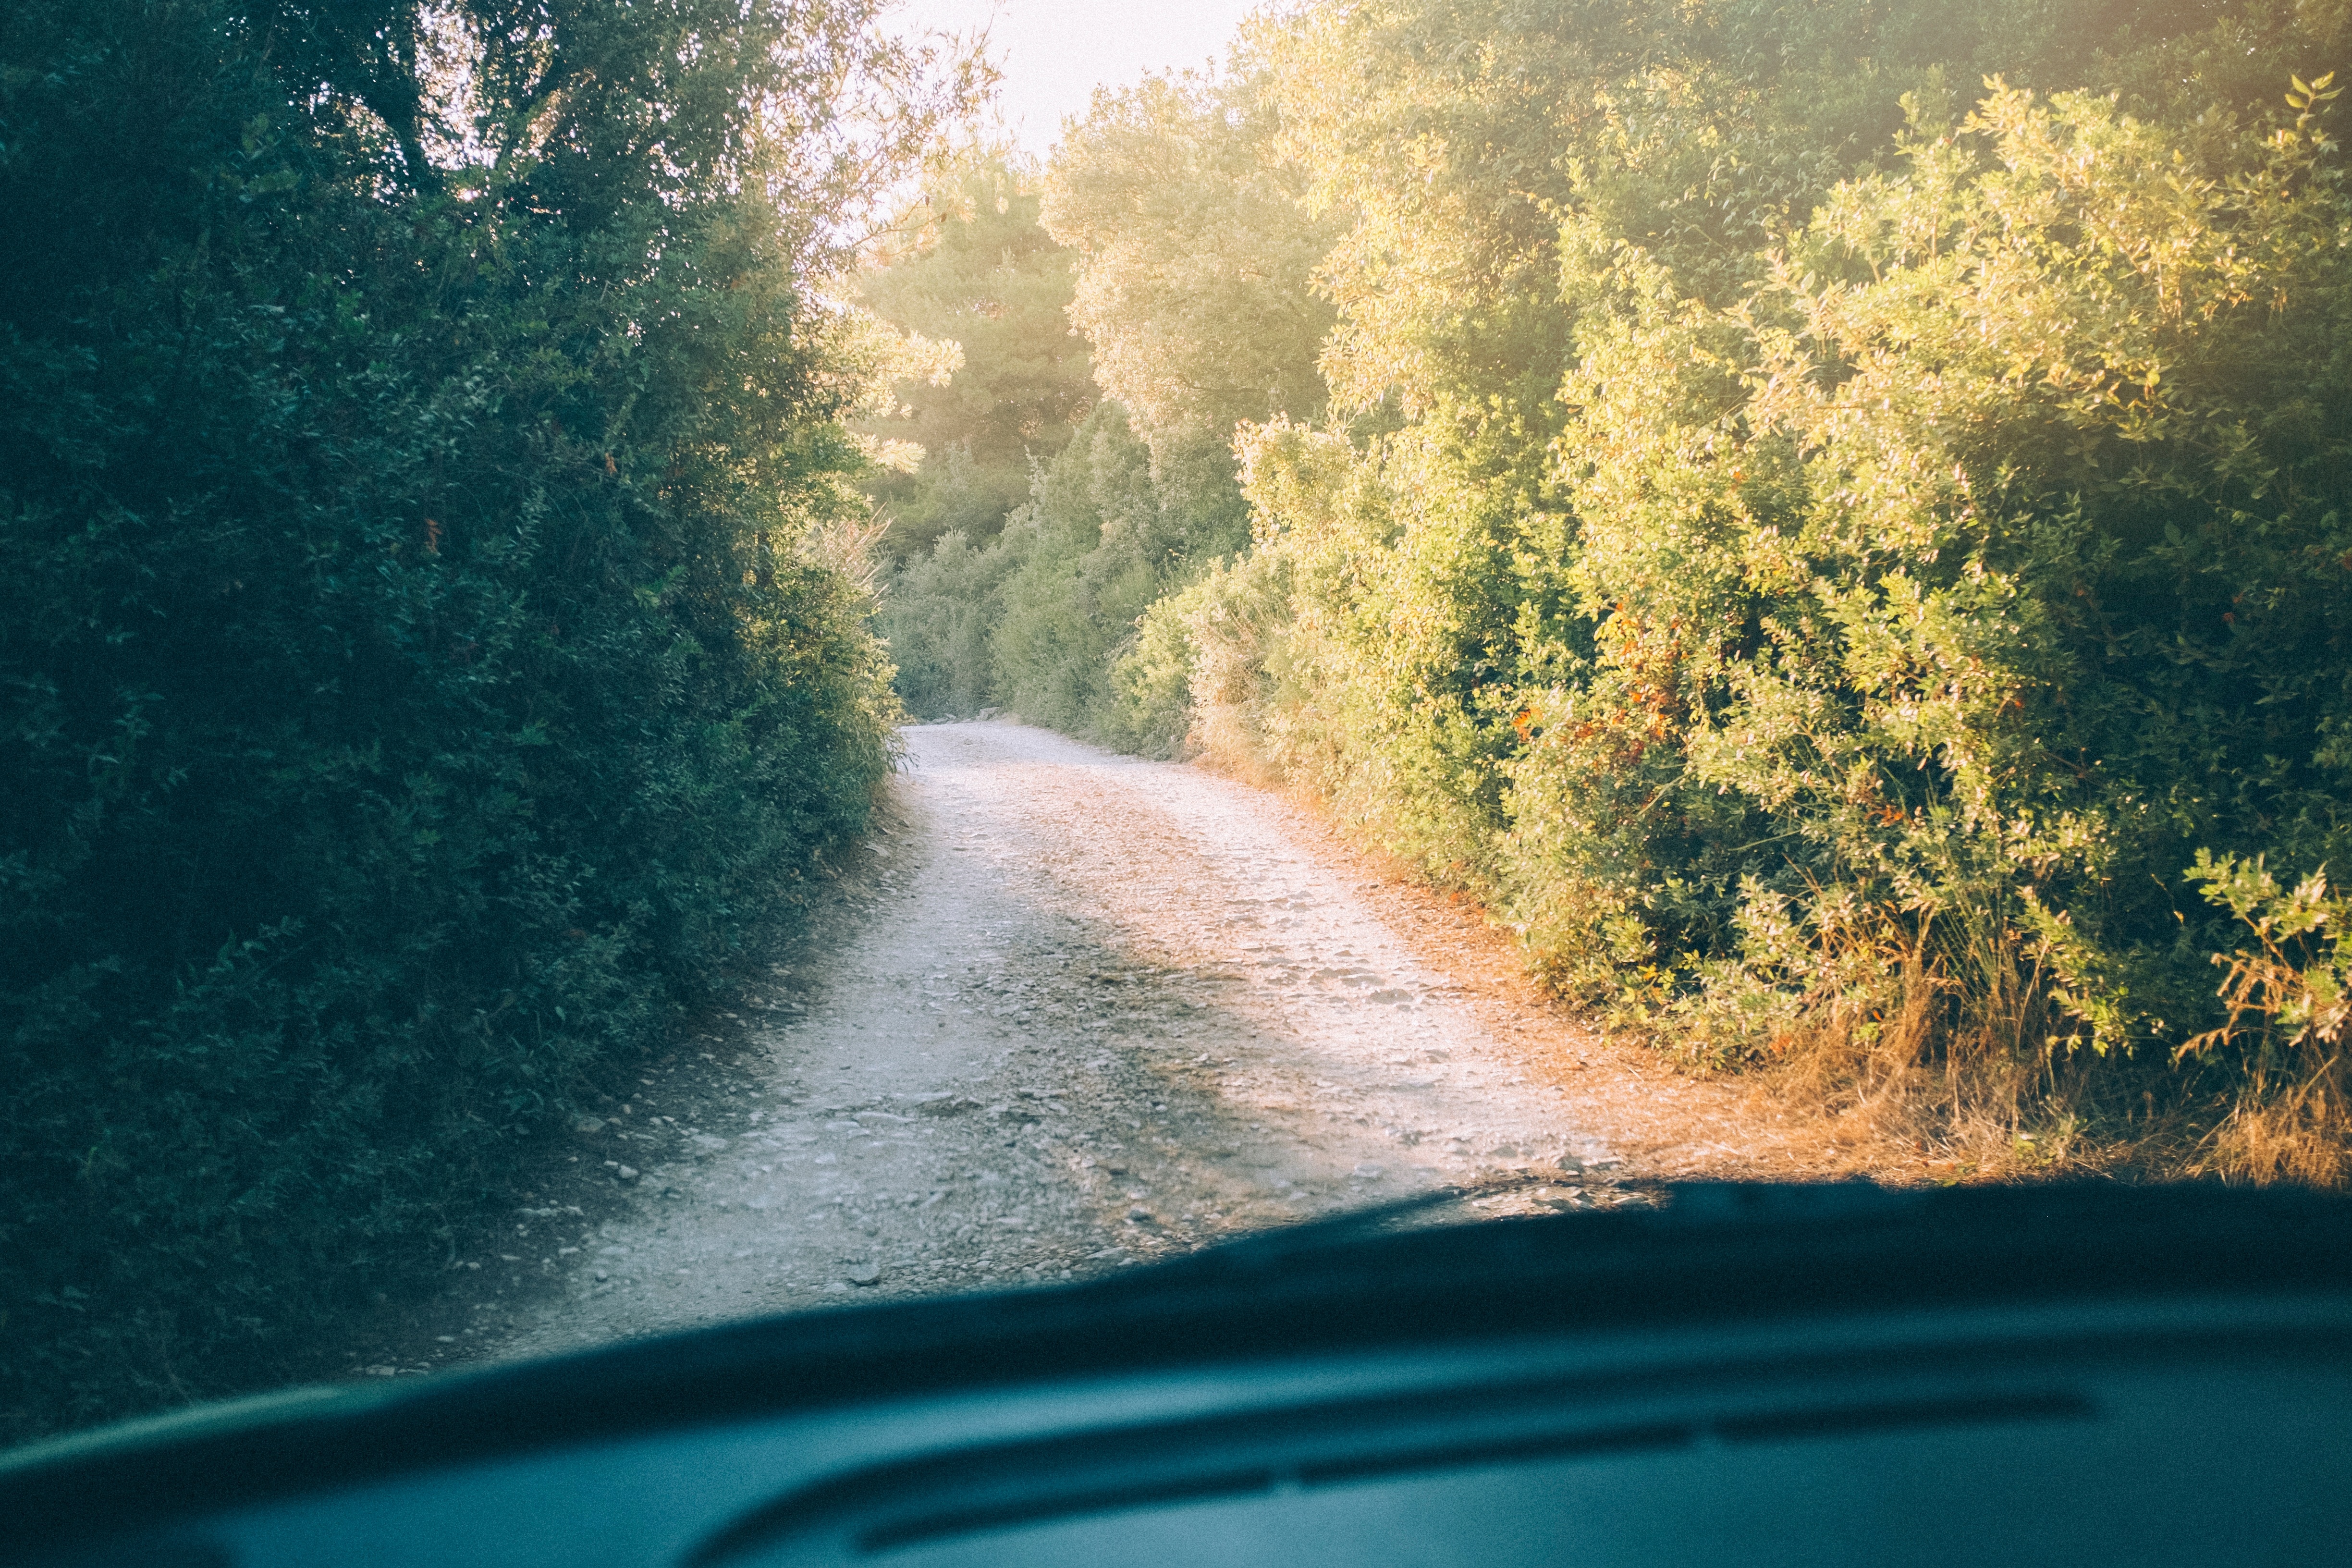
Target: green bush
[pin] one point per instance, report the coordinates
(935, 616)
(411, 690)
(1095, 547)
(1848, 546)
(1039, 619)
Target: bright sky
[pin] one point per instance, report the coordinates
(1054, 52)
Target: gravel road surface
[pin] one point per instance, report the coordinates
(1072, 1010)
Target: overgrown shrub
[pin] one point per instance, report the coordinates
(937, 617)
(1095, 546)
(1038, 619)
(1855, 536)
(414, 690)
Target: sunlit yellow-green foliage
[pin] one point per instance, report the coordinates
(1868, 509)
(1195, 257)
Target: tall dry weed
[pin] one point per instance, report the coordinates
(1945, 1037)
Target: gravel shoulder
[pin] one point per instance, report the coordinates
(1066, 1011)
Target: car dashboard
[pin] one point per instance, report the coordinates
(1801, 1378)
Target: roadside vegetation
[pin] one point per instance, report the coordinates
(1180, 260)
(1829, 519)
(1832, 520)
(425, 661)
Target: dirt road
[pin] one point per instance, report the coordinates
(1079, 1010)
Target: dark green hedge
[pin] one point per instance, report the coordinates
(410, 693)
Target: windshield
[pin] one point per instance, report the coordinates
(659, 667)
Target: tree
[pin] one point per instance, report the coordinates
(1192, 257)
(1195, 254)
(969, 266)
(1194, 260)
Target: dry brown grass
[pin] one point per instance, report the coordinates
(1984, 1072)
(2291, 1125)
(1945, 1084)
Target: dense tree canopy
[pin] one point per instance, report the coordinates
(416, 433)
(970, 274)
(1195, 257)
